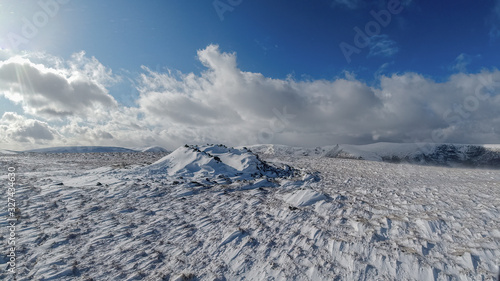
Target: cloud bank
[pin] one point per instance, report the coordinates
(226, 104)
(14, 127)
(77, 88)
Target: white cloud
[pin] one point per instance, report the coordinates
(462, 61)
(230, 105)
(382, 69)
(51, 89)
(227, 104)
(382, 46)
(224, 104)
(16, 129)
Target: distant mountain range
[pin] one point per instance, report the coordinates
(466, 155)
(453, 155)
(88, 149)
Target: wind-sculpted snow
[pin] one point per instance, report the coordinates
(82, 217)
(304, 197)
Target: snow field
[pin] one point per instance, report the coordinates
(361, 221)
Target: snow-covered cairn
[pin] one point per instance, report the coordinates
(192, 161)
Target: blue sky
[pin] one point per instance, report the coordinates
(142, 53)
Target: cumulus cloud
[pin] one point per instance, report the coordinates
(225, 104)
(457, 110)
(55, 88)
(15, 128)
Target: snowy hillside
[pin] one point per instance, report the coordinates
(80, 149)
(149, 149)
(153, 149)
(465, 155)
(433, 154)
(461, 155)
(219, 213)
(92, 149)
(5, 151)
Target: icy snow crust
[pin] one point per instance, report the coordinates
(103, 216)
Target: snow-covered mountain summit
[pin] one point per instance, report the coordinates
(216, 160)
